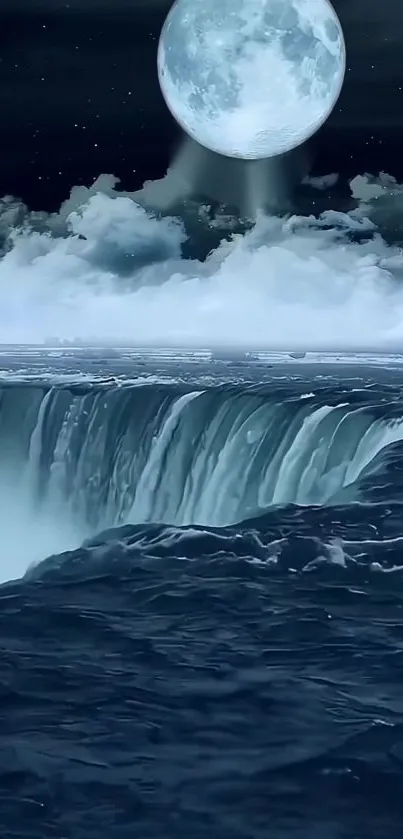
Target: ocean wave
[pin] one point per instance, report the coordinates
(142, 552)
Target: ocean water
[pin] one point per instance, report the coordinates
(201, 615)
(201, 567)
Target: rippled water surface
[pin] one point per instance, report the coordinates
(201, 623)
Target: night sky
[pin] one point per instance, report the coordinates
(79, 95)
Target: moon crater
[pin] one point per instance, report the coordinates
(251, 78)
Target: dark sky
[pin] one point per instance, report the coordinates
(79, 94)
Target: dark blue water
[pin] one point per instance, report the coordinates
(221, 651)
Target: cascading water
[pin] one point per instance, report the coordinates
(79, 458)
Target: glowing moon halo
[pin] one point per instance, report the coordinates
(251, 78)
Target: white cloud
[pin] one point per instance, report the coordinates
(297, 282)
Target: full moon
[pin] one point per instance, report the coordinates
(251, 78)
